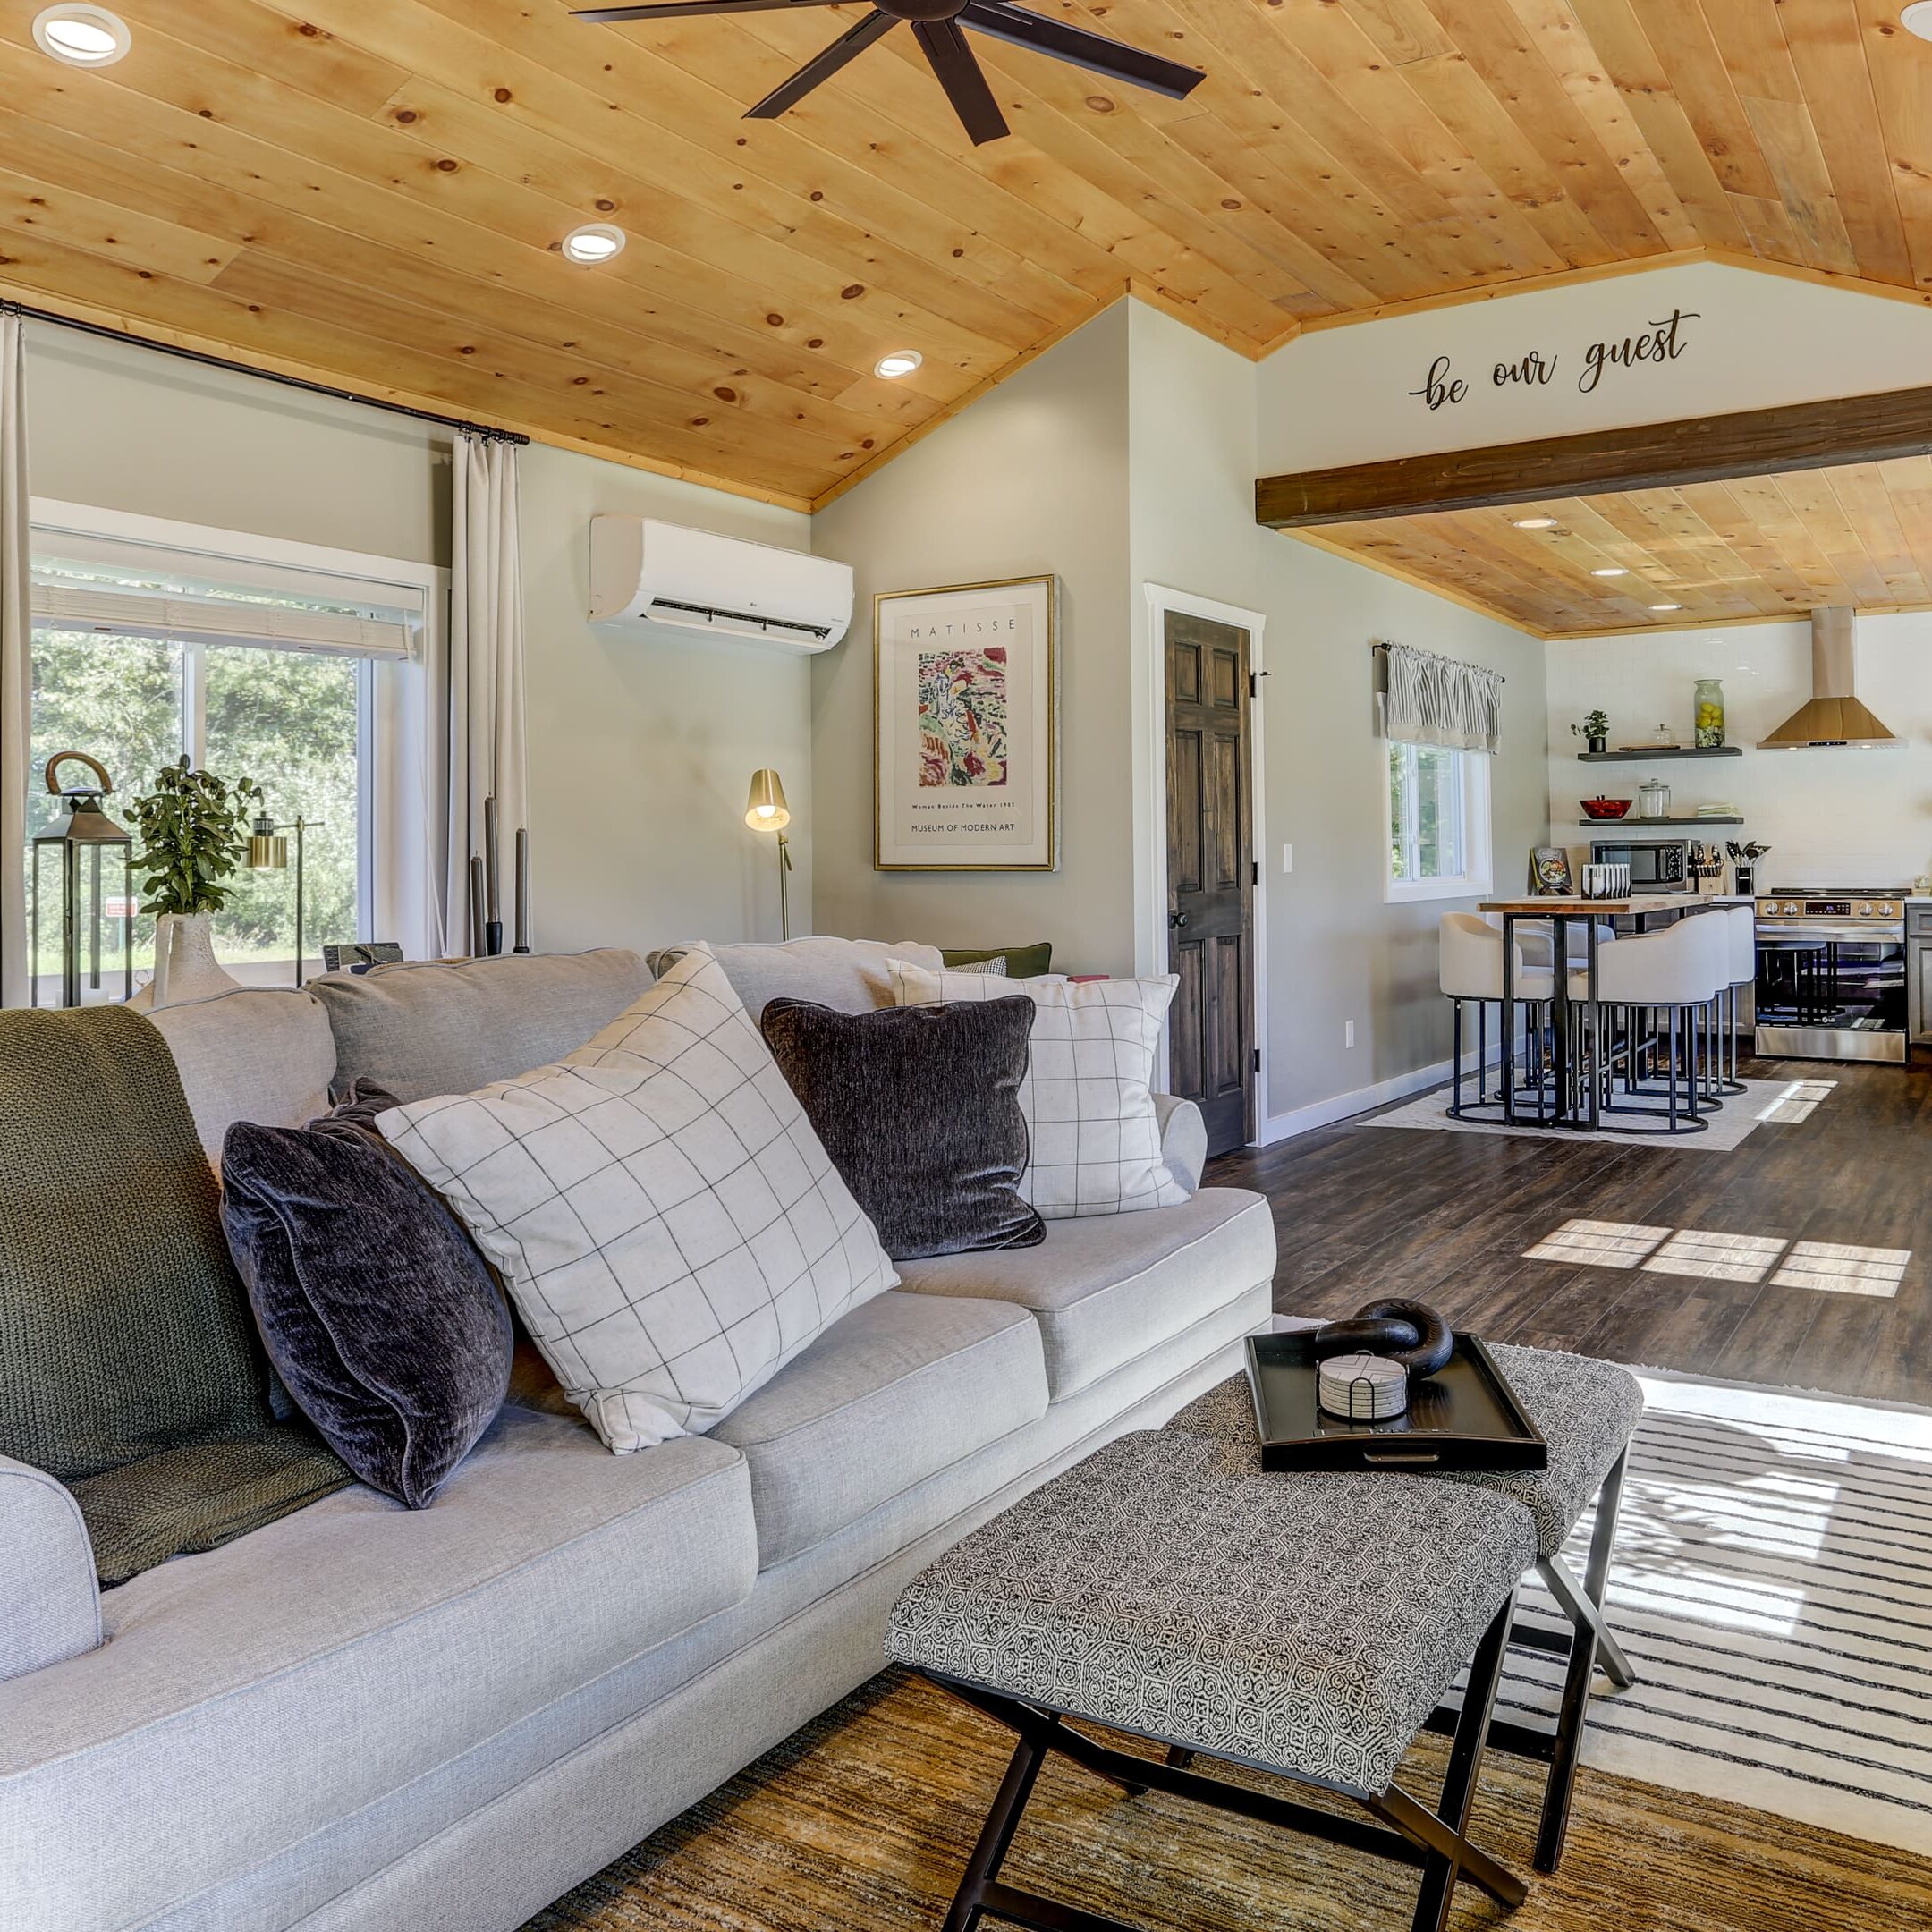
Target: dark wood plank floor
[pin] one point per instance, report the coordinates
(1364, 1211)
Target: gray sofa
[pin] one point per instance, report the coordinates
(365, 1717)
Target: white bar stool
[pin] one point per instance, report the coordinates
(1469, 967)
(1675, 972)
(1740, 923)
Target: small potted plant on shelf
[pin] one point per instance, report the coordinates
(191, 832)
(1594, 731)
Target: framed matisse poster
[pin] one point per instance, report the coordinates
(966, 728)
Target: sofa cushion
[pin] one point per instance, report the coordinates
(246, 1699)
(257, 1054)
(1107, 1289)
(849, 974)
(670, 1227)
(426, 1029)
(1087, 1098)
(384, 1322)
(1015, 961)
(896, 1391)
(919, 1107)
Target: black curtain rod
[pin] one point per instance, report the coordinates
(8, 307)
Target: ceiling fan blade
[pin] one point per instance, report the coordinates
(677, 9)
(960, 76)
(1115, 59)
(853, 41)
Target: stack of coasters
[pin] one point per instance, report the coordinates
(1363, 1387)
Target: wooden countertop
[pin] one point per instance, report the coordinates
(1637, 903)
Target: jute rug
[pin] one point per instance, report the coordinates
(862, 1821)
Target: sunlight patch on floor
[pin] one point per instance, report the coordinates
(1837, 1267)
(1701, 1254)
(1797, 1102)
(1706, 1256)
(1618, 1245)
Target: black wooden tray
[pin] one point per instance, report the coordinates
(1467, 1416)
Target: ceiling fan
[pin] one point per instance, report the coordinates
(937, 24)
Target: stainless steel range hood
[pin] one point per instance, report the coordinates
(1833, 713)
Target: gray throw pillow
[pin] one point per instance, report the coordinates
(918, 1108)
(383, 1320)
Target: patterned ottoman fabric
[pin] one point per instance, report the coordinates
(1304, 1624)
(1587, 1411)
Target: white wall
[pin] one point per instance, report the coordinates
(640, 748)
(1341, 395)
(1030, 478)
(1852, 817)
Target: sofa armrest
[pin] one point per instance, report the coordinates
(49, 1597)
(1183, 1138)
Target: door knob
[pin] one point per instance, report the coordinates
(1176, 919)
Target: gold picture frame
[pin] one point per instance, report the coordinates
(921, 825)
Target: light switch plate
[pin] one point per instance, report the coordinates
(1287, 858)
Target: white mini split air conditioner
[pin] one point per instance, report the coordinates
(643, 571)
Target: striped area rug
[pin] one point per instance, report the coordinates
(1774, 1588)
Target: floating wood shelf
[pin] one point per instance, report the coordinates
(1612, 825)
(1633, 758)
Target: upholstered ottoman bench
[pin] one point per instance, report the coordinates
(1306, 1625)
(1587, 1411)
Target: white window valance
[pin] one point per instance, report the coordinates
(1432, 700)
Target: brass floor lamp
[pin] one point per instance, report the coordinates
(269, 852)
(765, 811)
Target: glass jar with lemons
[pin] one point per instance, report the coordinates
(1710, 714)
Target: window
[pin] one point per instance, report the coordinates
(153, 640)
(1438, 822)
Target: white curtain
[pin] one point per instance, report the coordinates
(16, 663)
(1433, 701)
(476, 697)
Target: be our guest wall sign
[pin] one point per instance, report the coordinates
(1590, 366)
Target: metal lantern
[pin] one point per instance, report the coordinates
(81, 840)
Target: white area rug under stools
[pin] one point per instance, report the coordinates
(1773, 1587)
(1762, 1103)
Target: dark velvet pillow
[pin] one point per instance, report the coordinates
(382, 1318)
(919, 1107)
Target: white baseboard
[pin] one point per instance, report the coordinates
(1363, 1100)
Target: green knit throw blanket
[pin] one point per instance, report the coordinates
(129, 1366)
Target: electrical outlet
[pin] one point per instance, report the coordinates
(1348, 1032)
(1287, 858)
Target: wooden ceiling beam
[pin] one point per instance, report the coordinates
(1698, 449)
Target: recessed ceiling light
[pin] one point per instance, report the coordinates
(1918, 19)
(1611, 570)
(903, 362)
(595, 242)
(1679, 606)
(81, 36)
(1549, 523)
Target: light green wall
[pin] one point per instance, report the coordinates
(640, 745)
(1335, 952)
(121, 427)
(1031, 478)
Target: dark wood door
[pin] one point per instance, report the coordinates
(1210, 875)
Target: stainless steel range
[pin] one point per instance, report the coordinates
(1831, 973)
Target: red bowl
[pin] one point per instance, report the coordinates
(1605, 808)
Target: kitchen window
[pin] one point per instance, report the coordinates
(1438, 822)
(297, 667)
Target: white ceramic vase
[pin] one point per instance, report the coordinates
(185, 966)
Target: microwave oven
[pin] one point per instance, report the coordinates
(1655, 865)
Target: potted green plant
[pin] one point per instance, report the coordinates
(191, 832)
(1594, 731)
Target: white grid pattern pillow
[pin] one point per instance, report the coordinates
(1089, 1107)
(671, 1228)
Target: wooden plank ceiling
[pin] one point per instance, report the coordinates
(373, 190)
(1766, 546)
